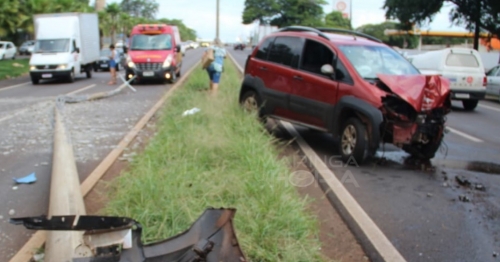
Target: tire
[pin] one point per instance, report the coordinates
(251, 102)
(470, 105)
(423, 151)
(35, 80)
(88, 72)
(3, 57)
(178, 74)
(353, 142)
(71, 77)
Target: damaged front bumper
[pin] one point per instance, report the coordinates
(211, 238)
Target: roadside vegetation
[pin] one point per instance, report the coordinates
(13, 68)
(218, 157)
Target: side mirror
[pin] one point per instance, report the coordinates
(77, 50)
(178, 48)
(328, 70)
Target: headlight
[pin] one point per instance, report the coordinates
(168, 61)
(32, 67)
(131, 64)
(62, 66)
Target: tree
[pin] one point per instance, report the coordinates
(377, 30)
(284, 12)
(475, 15)
(140, 8)
(112, 11)
(335, 19)
(185, 32)
(10, 17)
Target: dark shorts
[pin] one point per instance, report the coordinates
(214, 75)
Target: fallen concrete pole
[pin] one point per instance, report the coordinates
(65, 195)
(100, 95)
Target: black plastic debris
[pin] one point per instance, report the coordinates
(464, 198)
(461, 180)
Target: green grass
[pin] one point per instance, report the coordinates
(219, 157)
(13, 68)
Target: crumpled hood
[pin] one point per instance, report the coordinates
(422, 92)
(153, 56)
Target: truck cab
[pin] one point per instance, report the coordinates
(153, 53)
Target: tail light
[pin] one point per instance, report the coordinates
(485, 81)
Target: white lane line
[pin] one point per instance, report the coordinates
(80, 90)
(464, 135)
(14, 86)
(26, 109)
(490, 107)
(378, 239)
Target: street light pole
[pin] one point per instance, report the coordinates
(217, 21)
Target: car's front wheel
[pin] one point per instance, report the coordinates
(353, 144)
(470, 104)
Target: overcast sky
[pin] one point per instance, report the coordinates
(200, 15)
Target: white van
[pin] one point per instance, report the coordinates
(66, 44)
(462, 66)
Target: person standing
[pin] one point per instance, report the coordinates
(113, 58)
(216, 67)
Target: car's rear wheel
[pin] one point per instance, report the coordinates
(251, 102)
(470, 104)
(353, 144)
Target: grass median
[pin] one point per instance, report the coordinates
(13, 68)
(218, 157)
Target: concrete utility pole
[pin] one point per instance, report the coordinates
(217, 21)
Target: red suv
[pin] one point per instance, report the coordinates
(348, 84)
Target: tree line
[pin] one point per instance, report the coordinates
(16, 16)
(475, 15)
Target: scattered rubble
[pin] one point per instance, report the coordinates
(464, 198)
(461, 180)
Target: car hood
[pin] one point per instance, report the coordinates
(103, 58)
(422, 92)
(149, 56)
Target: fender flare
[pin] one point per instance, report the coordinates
(360, 107)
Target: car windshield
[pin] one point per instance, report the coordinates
(52, 46)
(372, 60)
(105, 52)
(151, 42)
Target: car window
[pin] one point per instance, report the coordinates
(462, 60)
(2, 45)
(315, 55)
(9, 46)
(286, 51)
(263, 50)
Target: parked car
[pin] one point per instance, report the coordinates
(195, 45)
(239, 46)
(493, 85)
(462, 66)
(103, 62)
(347, 84)
(27, 48)
(7, 50)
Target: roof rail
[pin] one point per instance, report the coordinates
(303, 29)
(346, 31)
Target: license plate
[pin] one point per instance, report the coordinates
(148, 73)
(104, 65)
(46, 75)
(466, 96)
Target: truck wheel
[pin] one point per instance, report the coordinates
(470, 105)
(353, 142)
(71, 77)
(88, 71)
(35, 80)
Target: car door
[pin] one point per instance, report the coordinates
(10, 51)
(313, 93)
(493, 85)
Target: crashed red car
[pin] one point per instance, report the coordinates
(348, 84)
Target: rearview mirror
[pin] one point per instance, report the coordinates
(328, 70)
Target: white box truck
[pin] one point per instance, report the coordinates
(66, 44)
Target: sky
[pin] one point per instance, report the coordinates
(200, 16)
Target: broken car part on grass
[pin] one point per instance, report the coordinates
(211, 238)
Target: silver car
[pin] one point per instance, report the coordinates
(493, 86)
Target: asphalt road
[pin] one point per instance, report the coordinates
(26, 119)
(418, 209)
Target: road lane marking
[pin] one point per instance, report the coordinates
(370, 229)
(464, 135)
(14, 86)
(490, 107)
(25, 109)
(80, 90)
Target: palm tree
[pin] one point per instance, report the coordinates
(112, 11)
